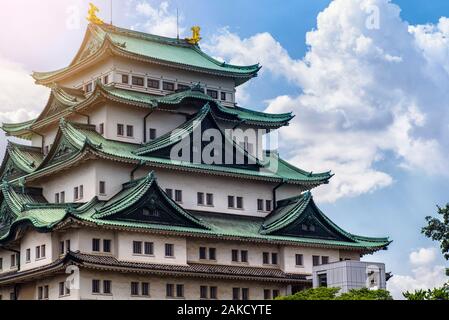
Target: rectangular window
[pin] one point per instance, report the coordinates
(324, 260)
(107, 287)
(61, 289)
(268, 205)
(169, 193)
(137, 247)
(259, 204)
(245, 293)
(40, 293)
(138, 81)
(239, 203)
(38, 252)
(209, 199)
(149, 248)
(28, 255)
(96, 245)
(212, 254)
(213, 94)
(316, 260)
(154, 84)
(180, 290)
(89, 87)
(67, 244)
(14, 260)
(213, 292)
(130, 131)
(266, 258)
(203, 292)
(134, 288)
(102, 187)
(43, 251)
(235, 255)
(46, 292)
(244, 256)
(168, 86)
(299, 260)
(106, 79)
(46, 150)
(75, 193)
(235, 293)
(101, 128)
(106, 246)
(274, 258)
(61, 247)
(62, 197)
(169, 288)
(183, 87)
(223, 96)
(203, 251)
(120, 130)
(200, 198)
(275, 294)
(145, 289)
(267, 294)
(178, 195)
(81, 192)
(169, 250)
(1, 263)
(125, 79)
(57, 198)
(231, 202)
(95, 286)
(153, 134)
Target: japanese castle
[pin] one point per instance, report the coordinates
(118, 194)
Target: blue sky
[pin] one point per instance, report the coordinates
(403, 190)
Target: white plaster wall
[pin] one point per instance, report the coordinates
(6, 256)
(288, 258)
(114, 174)
(99, 70)
(163, 122)
(85, 237)
(117, 114)
(31, 240)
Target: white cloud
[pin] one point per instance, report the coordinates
(160, 19)
(367, 94)
(424, 274)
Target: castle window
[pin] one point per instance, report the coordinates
(95, 286)
(203, 253)
(62, 197)
(203, 292)
(57, 198)
(130, 131)
(315, 260)
(1, 264)
(101, 128)
(107, 287)
(75, 193)
(168, 86)
(169, 290)
(154, 84)
(153, 134)
(200, 198)
(145, 289)
(120, 130)
(178, 195)
(125, 79)
(134, 288)
(102, 187)
(169, 250)
(182, 87)
(231, 203)
(268, 205)
(106, 79)
(213, 94)
(28, 255)
(299, 259)
(275, 294)
(212, 254)
(61, 247)
(138, 81)
(223, 96)
(81, 191)
(324, 260)
(96, 245)
(213, 292)
(179, 290)
(209, 199)
(259, 204)
(38, 252)
(235, 293)
(274, 258)
(235, 255)
(239, 203)
(107, 246)
(89, 87)
(244, 256)
(266, 258)
(137, 247)
(149, 248)
(169, 193)
(245, 293)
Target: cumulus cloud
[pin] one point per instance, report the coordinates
(424, 274)
(372, 88)
(160, 20)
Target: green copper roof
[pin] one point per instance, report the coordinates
(18, 129)
(156, 49)
(19, 160)
(46, 216)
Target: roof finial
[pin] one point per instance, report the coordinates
(92, 14)
(195, 39)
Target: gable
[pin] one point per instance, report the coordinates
(10, 170)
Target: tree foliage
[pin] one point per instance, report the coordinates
(431, 294)
(332, 294)
(438, 230)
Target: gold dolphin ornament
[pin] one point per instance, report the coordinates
(92, 14)
(196, 38)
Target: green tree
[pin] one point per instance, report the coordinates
(321, 293)
(332, 294)
(431, 294)
(438, 230)
(365, 294)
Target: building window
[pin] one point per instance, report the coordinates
(231, 203)
(106, 79)
(235, 293)
(61, 247)
(62, 197)
(46, 291)
(179, 290)
(120, 130)
(299, 260)
(67, 244)
(268, 205)
(89, 87)
(153, 134)
(38, 252)
(125, 78)
(134, 288)
(102, 187)
(275, 294)
(1, 264)
(96, 245)
(322, 280)
(235, 255)
(244, 256)
(28, 255)
(169, 289)
(213, 292)
(209, 199)
(145, 289)
(316, 260)
(81, 195)
(274, 258)
(203, 251)
(42, 292)
(14, 260)
(183, 87)
(266, 258)
(259, 204)
(203, 292)
(169, 250)
(107, 246)
(63, 290)
(169, 193)
(75, 193)
(168, 86)
(223, 96)
(101, 128)
(154, 84)
(57, 198)
(245, 293)
(107, 287)
(213, 94)
(149, 248)
(43, 251)
(324, 260)
(178, 195)
(137, 247)
(95, 286)
(200, 198)
(138, 81)
(130, 131)
(239, 203)
(212, 254)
